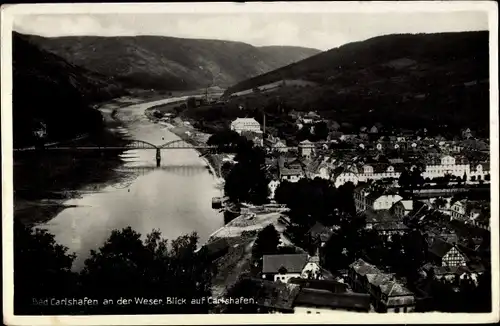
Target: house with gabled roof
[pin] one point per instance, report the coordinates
(444, 253)
(269, 296)
(306, 148)
(246, 124)
(376, 199)
(387, 294)
(281, 268)
(402, 208)
(313, 301)
(290, 169)
(389, 228)
(472, 212)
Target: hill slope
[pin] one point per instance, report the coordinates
(171, 63)
(49, 90)
(405, 80)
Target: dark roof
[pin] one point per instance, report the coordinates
(326, 285)
(293, 263)
(378, 216)
(319, 298)
(286, 171)
(390, 225)
(440, 247)
(362, 268)
(271, 294)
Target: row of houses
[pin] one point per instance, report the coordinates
(303, 296)
(387, 294)
(363, 172)
(299, 281)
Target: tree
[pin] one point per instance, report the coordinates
(416, 178)
(226, 140)
(440, 202)
(247, 180)
(284, 193)
(304, 133)
(127, 267)
(321, 131)
(42, 270)
(266, 243)
(404, 180)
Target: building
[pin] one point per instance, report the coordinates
(245, 124)
(480, 171)
(367, 172)
(447, 164)
(386, 293)
(268, 296)
(472, 212)
(380, 171)
(444, 253)
(280, 146)
(290, 170)
(374, 130)
(281, 268)
(389, 228)
(402, 208)
(324, 285)
(345, 177)
(313, 301)
(374, 217)
(290, 174)
(458, 210)
(306, 148)
(255, 137)
(375, 199)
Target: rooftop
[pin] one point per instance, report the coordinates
(245, 120)
(293, 263)
(325, 285)
(440, 248)
(362, 268)
(272, 294)
(318, 298)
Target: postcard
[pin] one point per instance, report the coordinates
(256, 163)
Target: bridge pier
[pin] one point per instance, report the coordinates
(158, 157)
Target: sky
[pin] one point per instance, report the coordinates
(322, 31)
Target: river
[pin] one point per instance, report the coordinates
(175, 198)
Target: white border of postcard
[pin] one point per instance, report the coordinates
(9, 11)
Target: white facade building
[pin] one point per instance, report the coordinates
(245, 124)
(447, 165)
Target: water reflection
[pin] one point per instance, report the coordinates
(174, 198)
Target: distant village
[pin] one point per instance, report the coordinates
(400, 183)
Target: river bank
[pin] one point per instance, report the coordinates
(44, 181)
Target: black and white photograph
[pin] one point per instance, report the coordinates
(282, 160)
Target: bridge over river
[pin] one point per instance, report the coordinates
(134, 144)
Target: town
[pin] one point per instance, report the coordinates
(325, 162)
(374, 221)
